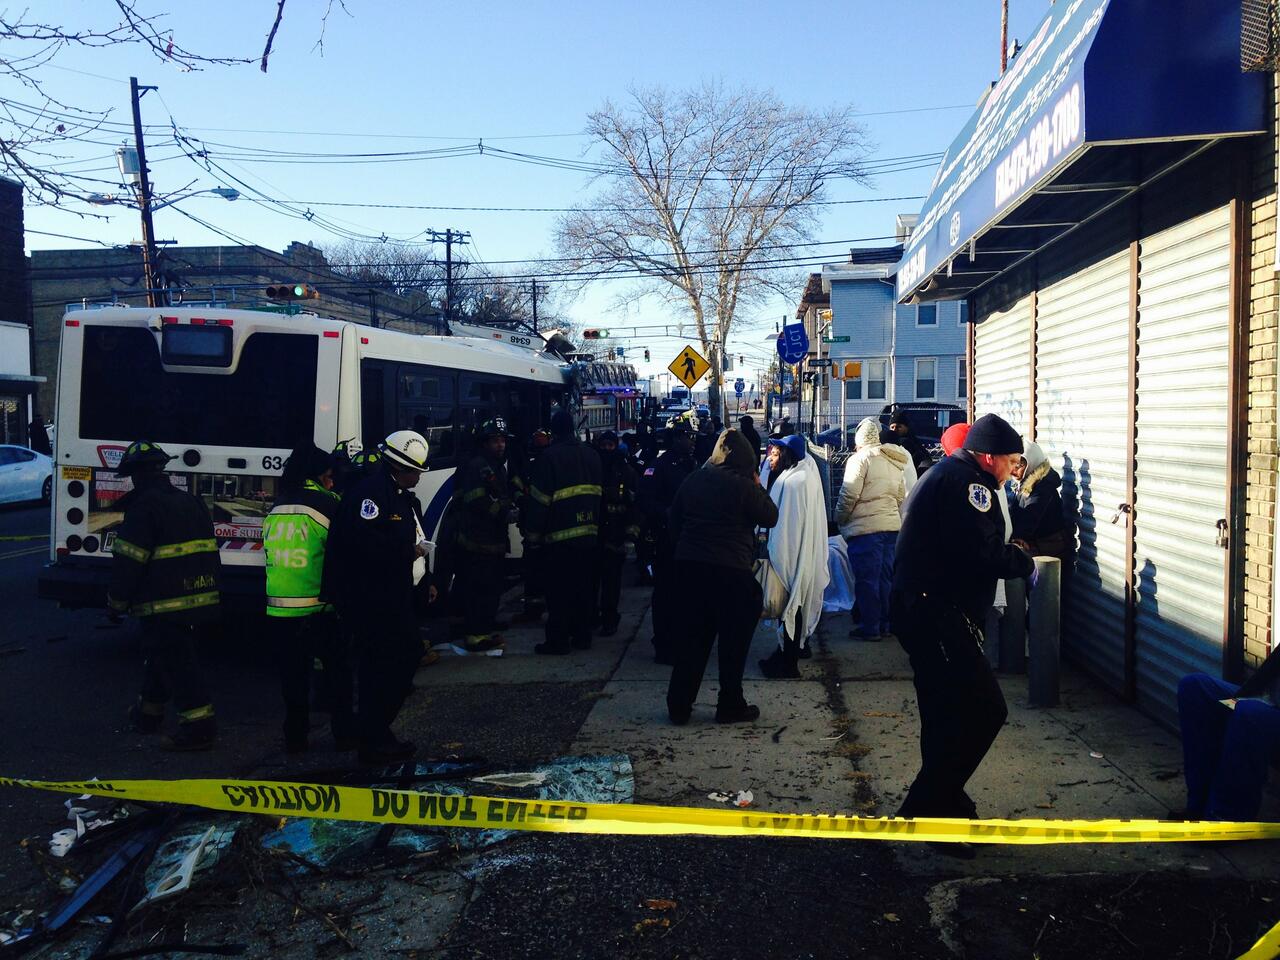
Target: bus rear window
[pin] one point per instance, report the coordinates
(269, 401)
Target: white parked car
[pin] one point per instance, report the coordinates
(24, 475)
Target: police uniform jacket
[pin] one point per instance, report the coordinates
(483, 502)
(564, 497)
(368, 572)
(617, 501)
(951, 546)
(661, 481)
(165, 564)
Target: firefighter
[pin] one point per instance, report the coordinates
(531, 562)
(483, 509)
(657, 492)
(166, 572)
(369, 573)
(294, 538)
(617, 525)
(564, 520)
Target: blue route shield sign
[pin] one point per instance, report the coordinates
(793, 343)
(739, 386)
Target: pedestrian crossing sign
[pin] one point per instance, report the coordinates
(689, 366)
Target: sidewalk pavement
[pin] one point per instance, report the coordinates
(845, 738)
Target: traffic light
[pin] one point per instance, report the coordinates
(292, 291)
(646, 354)
(595, 334)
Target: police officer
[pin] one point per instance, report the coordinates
(564, 520)
(951, 551)
(483, 506)
(617, 525)
(657, 492)
(165, 571)
(294, 538)
(369, 573)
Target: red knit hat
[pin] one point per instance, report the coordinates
(953, 437)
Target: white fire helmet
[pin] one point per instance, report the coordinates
(407, 449)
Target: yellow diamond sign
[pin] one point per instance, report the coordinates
(689, 366)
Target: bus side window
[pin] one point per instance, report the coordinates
(373, 404)
(427, 404)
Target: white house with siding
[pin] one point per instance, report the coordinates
(904, 354)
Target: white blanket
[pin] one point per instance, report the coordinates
(798, 544)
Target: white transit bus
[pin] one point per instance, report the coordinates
(229, 393)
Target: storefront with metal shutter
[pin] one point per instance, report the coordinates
(1112, 276)
(1002, 365)
(1082, 415)
(1180, 515)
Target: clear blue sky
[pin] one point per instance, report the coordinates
(522, 76)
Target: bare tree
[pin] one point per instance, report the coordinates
(410, 272)
(388, 266)
(703, 188)
(37, 128)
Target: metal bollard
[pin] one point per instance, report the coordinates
(1013, 628)
(1045, 635)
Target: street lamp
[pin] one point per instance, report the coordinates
(108, 199)
(132, 172)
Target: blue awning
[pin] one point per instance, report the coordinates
(1106, 96)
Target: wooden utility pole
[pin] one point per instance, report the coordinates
(450, 237)
(149, 272)
(533, 290)
(1004, 36)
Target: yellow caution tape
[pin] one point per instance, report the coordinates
(411, 808)
(24, 536)
(1267, 948)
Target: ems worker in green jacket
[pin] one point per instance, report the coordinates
(295, 534)
(483, 508)
(165, 571)
(564, 520)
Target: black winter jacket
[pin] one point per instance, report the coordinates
(564, 498)
(718, 508)
(1036, 513)
(368, 570)
(483, 502)
(951, 546)
(165, 562)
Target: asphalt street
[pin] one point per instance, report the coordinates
(68, 679)
(842, 739)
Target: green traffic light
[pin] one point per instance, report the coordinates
(299, 290)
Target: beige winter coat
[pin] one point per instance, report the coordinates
(873, 488)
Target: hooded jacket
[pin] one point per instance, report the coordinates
(874, 485)
(715, 513)
(1036, 512)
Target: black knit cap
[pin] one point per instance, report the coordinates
(992, 434)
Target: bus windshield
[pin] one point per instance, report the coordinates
(125, 394)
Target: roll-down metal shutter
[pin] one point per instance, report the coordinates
(1002, 365)
(1181, 473)
(1082, 404)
